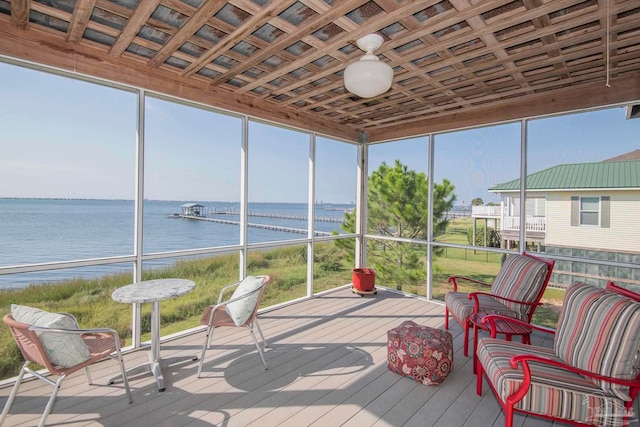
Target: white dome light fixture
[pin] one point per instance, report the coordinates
(369, 76)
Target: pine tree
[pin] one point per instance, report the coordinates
(398, 207)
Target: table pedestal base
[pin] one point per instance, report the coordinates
(153, 291)
(153, 366)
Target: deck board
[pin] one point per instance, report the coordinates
(327, 367)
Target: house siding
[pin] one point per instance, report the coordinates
(622, 235)
(620, 242)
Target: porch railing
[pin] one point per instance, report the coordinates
(485, 211)
(532, 223)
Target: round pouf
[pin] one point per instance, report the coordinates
(420, 352)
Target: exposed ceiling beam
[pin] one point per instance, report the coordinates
(143, 12)
(280, 43)
(252, 24)
(79, 20)
(202, 15)
(20, 13)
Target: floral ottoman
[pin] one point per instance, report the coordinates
(420, 352)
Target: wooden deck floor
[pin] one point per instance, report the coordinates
(327, 367)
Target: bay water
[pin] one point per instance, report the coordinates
(49, 230)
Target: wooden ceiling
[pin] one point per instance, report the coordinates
(457, 63)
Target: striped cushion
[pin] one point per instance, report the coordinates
(462, 307)
(520, 278)
(598, 332)
(554, 391)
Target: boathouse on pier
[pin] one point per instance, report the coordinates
(192, 209)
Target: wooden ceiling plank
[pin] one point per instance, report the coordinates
(489, 39)
(322, 8)
(119, 10)
(543, 22)
(501, 25)
(497, 94)
(411, 25)
(552, 60)
(161, 26)
(443, 110)
(79, 20)
(142, 13)
(195, 22)
(437, 23)
(409, 8)
(252, 24)
(280, 43)
(20, 13)
(446, 44)
(502, 61)
(329, 72)
(50, 11)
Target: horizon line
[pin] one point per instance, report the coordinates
(321, 202)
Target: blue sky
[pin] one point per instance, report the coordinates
(67, 138)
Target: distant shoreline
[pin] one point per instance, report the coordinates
(169, 200)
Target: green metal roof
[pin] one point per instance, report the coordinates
(620, 174)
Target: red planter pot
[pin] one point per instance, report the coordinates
(364, 279)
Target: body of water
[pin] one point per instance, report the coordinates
(46, 230)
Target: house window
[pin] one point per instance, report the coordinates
(589, 210)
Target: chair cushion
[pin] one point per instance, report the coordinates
(461, 307)
(554, 392)
(598, 332)
(241, 310)
(64, 350)
(520, 278)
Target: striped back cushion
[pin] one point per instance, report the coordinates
(598, 331)
(520, 278)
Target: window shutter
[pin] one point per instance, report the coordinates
(605, 217)
(575, 211)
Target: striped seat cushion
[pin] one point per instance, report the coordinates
(520, 278)
(554, 391)
(598, 332)
(462, 307)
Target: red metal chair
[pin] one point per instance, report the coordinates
(591, 375)
(515, 292)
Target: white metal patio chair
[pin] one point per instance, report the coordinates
(239, 311)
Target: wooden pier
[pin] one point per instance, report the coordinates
(273, 215)
(262, 226)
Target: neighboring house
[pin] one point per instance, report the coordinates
(192, 209)
(573, 209)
